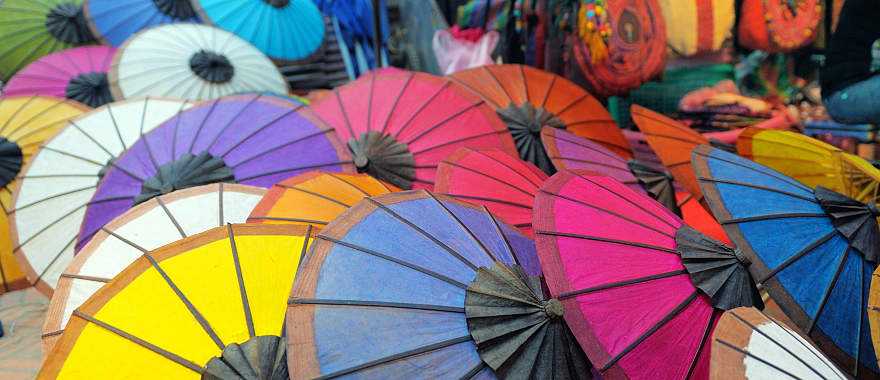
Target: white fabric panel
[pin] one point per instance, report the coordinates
(198, 213)
(33, 219)
(80, 291)
(763, 347)
(238, 206)
(50, 251)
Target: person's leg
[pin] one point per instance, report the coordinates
(856, 104)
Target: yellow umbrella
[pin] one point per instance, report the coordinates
(860, 178)
(316, 198)
(25, 123)
(176, 311)
(810, 161)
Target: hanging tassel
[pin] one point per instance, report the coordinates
(593, 30)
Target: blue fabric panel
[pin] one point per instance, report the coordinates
(774, 241)
(807, 278)
(117, 20)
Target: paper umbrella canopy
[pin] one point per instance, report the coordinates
(284, 30)
(209, 306)
(399, 125)
(607, 251)
(415, 285)
(315, 198)
(78, 74)
(61, 179)
(157, 222)
(249, 139)
(748, 344)
(191, 61)
(114, 21)
(31, 29)
(502, 183)
(26, 122)
(528, 100)
(812, 250)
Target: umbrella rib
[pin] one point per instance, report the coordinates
(627, 200)
(395, 357)
(54, 259)
(257, 131)
(498, 82)
(485, 175)
(240, 112)
(462, 225)
(503, 236)
(71, 155)
(282, 219)
(18, 111)
(140, 342)
(668, 317)
(769, 173)
(549, 88)
(780, 345)
(758, 187)
(828, 289)
(360, 303)
(603, 152)
(289, 143)
(312, 193)
(220, 217)
(343, 112)
(766, 362)
(396, 101)
(475, 371)
(186, 302)
(524, 81)
(248, 316)
(417, 268)
(591, 163)
(862, 317)
(124, 240)
(292, 169)
(474, 91)
(370, 102)
(442, 122)
(423, 233)
(572, 104)
(460, 141)
(36, 50)
(362, 191)
(537, 185)
(421, 107)
(170, 216)
(487, 199)
(620, 284)
(797, 256)
(707, 336)
(612, 213)
(86, 278)
(606, 240)
(69, 192)
(201, 125)
(771, 217)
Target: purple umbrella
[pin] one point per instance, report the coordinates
(249, 139)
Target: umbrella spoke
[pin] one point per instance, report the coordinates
(757, 187)
(613, 213)
(396, 101)
(395, 357)
(803, 252)
(618, 284)
(827, 293)
(315, 194)
(248, 315)
(607, 240)
(465, 228)
(360, 303)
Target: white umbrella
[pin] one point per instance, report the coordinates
(149, 225)
(60, 180)
(191, 61)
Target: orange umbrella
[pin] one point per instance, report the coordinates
(315, 198)
(528, 99)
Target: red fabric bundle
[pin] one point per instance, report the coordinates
(772, 26)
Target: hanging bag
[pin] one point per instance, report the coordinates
(779, 26)
(697, 27)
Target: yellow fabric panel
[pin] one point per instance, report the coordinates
(681, 25)
(805, 159)
(11, 270)
(268, 268)
(202, 274)
(149, 309)
(724, 19)
(118, 358)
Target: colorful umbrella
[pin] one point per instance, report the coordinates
(315, 198)
(209, 306)
(528, 99)
(79, 74)
(114, 21)
(813, 250)
(34, 28)
(634, 47)
(495, 179)
(608, 251)
(249, 139)
(413, 285)
(191, 61)
(157, 222)
(748, 344)
(21, 313)
(399, 125)
(25, 124)
(810, 161)
(284, 30)
(58, 183)
(861, 179)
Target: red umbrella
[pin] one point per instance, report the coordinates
(642, 291)
(399, 125)
(503, 183)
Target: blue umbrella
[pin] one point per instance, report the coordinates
(806, 247)
(114, 21)
(285, 30)
(413, 285)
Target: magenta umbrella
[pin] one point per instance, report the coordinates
(78, 74)
(642, 291)
(250, 139)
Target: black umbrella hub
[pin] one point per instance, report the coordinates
(657, 183)
(91, 89)
(384, 158)
(856, 221)
(278, 3)
(67, 23)
(525, 123)
(177, 9)
(187, 171)
(260, 357)
(10, 161)
(212, 67)
(520, 333)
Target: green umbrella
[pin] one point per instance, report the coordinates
(30, 29)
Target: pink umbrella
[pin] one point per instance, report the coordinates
(79, 74)
(642, 292)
